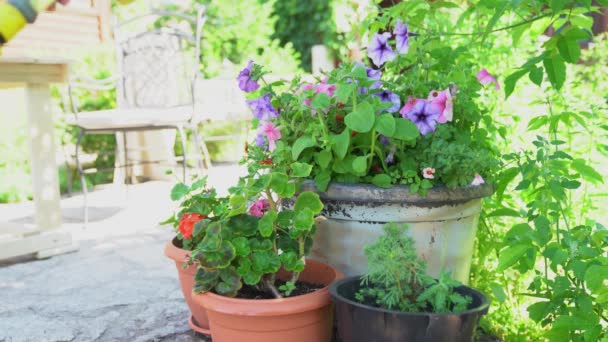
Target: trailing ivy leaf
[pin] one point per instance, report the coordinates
(323, 158)
(205, 280)
(382, 180)
(405, 130)
(568, 49)
(511, 255)
(266, 223)
(217, 259)
(385, 125)
(178, 191)
(359, 165)
(301, 144)
(322, 180)
(362, 120)
(344, 91)
(339, 143)
(320, 101)
(588, 173)
(301, 169)
(310, 200)
(555, 69)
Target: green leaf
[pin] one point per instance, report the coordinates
(320, 101)
(310, 200)
(241, 246)
(504, 212)
(536, 75)
(538, 311)
(511, 255)
(199, 183)
(340, 143)
(511, 81)
(301, 169)
(362, 120)
(556, 70)
(220, 258)
(243, 225)
(266, 223)
(595, 277)
(205, 280)
(569, 49)
(323, 158)
(279, 183)
(266, 262)
(360, 165)
(179, 190)
(344, 91)
(588, 173)
(322, 180)
(301, 144)
(291, 262)
(230, 282)
(304, 219)
(382, 180)
(498, 292)
(405, 130)
(574, 322)
(385, 125)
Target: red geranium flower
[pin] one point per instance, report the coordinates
(187, 222)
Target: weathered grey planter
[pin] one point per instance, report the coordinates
(443, 224)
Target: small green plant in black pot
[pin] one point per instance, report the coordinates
(397, 301)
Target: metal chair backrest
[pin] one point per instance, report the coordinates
(158, 56)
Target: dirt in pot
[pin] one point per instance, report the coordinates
(302, 288)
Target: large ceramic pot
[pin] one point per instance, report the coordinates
(442, 224)
(304, 318)
(358, 322)
(198, 320)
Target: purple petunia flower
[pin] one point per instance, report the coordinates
(262, 108)
(402, 37)
(246, 83)
(423, 115)
(379, 50)
(389, 96)
(373, 74)
(384, 140)
(260, 141)
(390, 158)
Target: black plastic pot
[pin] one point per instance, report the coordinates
(358, 322)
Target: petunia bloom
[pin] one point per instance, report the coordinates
(259, 207)
(428, 173)
(442, 101)
(246, 83)
(420, 112)
(379, 50)
(260, 141)
(384, 140)
(322, 87)
(187, 222)
(262, 108)
(402, 37)
(478, 180)
(389, 96)
(271, 132)
(390, 158)
(485, 78)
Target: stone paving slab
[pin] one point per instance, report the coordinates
(120, 289)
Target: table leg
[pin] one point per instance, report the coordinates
(45, 177)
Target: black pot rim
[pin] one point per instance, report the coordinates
(360, 192)
(333, 292)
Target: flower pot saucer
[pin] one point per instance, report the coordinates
(194, 326)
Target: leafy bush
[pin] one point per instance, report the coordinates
(396, 278)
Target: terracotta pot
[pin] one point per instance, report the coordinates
(198, 321)
(305, 318)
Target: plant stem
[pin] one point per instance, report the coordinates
(296, 275)
(504, 28)
(270, 286)
(372, 149)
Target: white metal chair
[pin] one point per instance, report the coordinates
(157, 69)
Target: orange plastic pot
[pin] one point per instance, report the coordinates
(305, 318)
(198, 320)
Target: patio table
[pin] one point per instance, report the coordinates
(44, 238)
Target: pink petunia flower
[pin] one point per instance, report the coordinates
(322, 87)
(442, 101)
(428, 173)
(478, 180)
(409, 106)
(271, 132)
(485, 78)
(259, 207)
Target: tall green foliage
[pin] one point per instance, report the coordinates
(304, 24)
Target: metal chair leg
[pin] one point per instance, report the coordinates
(83, 182)
(199, 150)
(182, 137)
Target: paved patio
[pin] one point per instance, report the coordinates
(118, 286)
